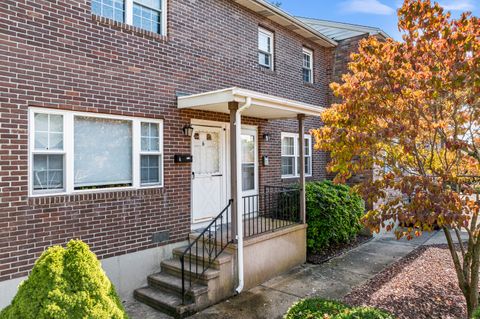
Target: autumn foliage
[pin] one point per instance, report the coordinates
(410, 110)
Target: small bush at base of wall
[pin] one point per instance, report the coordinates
(333, 214)
(66, 283)
(317, 308)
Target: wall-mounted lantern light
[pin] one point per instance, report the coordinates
(187, 130)
(266, 137)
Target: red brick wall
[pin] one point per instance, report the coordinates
(55, 54)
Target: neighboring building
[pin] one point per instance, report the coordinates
(104, 101)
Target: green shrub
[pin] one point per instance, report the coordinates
(314, 308)
(476, 314)
(333, 214)
(66, 283)
(317, 308)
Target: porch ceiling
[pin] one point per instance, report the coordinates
(262, 105)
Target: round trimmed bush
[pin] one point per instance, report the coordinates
(314, 308)
(333, 214)
(66, 283)
(318, 308)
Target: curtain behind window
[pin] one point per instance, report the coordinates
(103, 152)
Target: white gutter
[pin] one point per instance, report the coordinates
(238, 134)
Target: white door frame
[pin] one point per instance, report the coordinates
(226, 158)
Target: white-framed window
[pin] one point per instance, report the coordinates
(291, 156)
(307, 65)
(72, 152)
(265, 48)
(149, 15)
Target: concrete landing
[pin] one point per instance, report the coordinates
(333, 280)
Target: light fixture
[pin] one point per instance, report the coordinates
(187, 130)
(266, 137)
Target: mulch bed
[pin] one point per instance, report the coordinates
(337, 250)
(421, 285)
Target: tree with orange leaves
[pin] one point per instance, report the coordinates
(414, 108)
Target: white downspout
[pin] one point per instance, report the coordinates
(238, 134)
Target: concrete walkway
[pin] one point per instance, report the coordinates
(333, 280)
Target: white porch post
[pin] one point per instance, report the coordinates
(301, 152)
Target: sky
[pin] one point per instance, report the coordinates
(375, 13)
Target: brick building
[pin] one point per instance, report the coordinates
(103, 102)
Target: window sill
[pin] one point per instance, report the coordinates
(267, 70)
(309, 84)
(129, 28)
(294, 177)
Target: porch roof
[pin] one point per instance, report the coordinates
(262, 106)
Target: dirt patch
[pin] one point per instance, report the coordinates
(421, 285)
(337, 250)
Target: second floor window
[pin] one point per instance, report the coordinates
(111, 9)
(307, 65)
(149, 15)
(265, 48)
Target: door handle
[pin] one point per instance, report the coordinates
(193, 175)
(218, 175)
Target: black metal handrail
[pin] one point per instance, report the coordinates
(276, 208)
(213, 239)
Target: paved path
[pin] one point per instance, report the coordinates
(333, 280)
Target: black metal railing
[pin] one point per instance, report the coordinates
(199, 256)
(276, 208)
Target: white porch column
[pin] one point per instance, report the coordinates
(301, 152)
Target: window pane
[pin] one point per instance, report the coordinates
(41, 122)
(47, 172)
(288, 146)
(248, 149)
(150, 137)
(264, 59)
(103, 152)
(153, 4)
(307, 75)
(308, 168)
(48, 132)
(147, 18)
(248, 177)
(112, 9)
(288, 165)
(307, 147)
(150, 169)
(264, 42)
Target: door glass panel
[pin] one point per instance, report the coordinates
(206, 153)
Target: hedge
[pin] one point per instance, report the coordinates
(66, 283)
(333, 214)
(317, 308)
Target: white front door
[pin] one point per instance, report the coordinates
(208, 173)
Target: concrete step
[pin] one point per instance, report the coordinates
(164, 301)
(173, 284)
(201, 255)
(174, 267)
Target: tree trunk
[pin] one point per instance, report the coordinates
(467, 270)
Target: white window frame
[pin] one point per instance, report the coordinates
(308, 52)
(272, 47)
(68, 152)
(296, 154)
(128, 18)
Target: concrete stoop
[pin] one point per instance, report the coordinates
(164, 290)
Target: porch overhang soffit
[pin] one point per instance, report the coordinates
(262, 106)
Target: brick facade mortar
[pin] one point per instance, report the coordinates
(56, 54)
